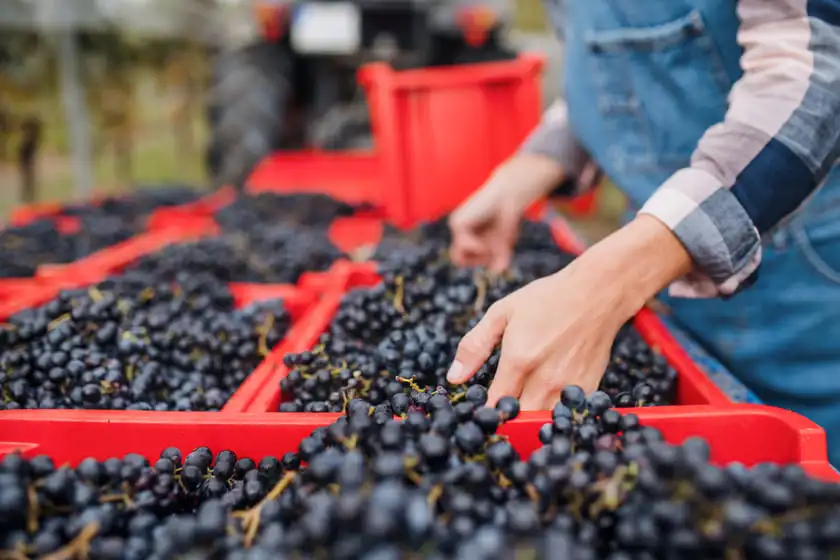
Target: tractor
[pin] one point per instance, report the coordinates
(295, 87)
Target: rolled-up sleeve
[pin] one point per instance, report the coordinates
(553, 138)
(780, 137)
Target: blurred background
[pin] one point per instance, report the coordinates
(110, 94)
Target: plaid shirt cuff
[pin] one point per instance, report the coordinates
(715, 230)
(554, 139)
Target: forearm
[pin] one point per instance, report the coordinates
(532, 177)
(634, 264)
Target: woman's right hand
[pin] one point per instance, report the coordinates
(484, 228)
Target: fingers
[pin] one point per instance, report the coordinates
(500, 259)
(503, 242)
(543, 387)
(478, 344)
(514, 367)
(539, 393)
(468, 249)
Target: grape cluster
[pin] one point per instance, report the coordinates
(438, 482)
(267, 254)
(134, 207)
(136, 343)
(24, 248)
(266, 237)
(311, 210)
(399, 338)
(536, 252)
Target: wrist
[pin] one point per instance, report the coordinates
(528, 178)
(637, 262)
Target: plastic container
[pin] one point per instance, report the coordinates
(296, 301)
(745, 433)
(441, 131)
(354, 177)
(693, 387)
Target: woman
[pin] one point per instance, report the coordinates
(720, 119)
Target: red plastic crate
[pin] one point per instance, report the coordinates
(693, 387)
(354, 176)
(733, 434)
(441, 131)
(296, 301)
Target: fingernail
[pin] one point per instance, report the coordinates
(456, 371)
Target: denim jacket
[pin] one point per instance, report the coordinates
(721, 118)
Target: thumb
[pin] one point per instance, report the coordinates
(478, 344)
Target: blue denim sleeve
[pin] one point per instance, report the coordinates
(780, 137)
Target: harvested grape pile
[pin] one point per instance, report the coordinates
(24, 248)
(535, 251)
(267, 254)
(311, 210)
(136, 206)
(267, 237)
(437, 483)
(392, 344)
(136, 343)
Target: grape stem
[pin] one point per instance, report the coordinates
(77, 548)
(481, 291)
(251, 518)
(33, 511)
(399, 305)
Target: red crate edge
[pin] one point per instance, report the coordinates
(57, 433)
(656, 334)
(297, 302)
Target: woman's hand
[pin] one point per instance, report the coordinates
(558, 330)
(484, 228)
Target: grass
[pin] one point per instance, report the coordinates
(155, 158)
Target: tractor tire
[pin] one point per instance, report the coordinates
(247, 110)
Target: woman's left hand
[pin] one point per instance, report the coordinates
(558, 330)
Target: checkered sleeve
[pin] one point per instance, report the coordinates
(554, 139)
(780, 137)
